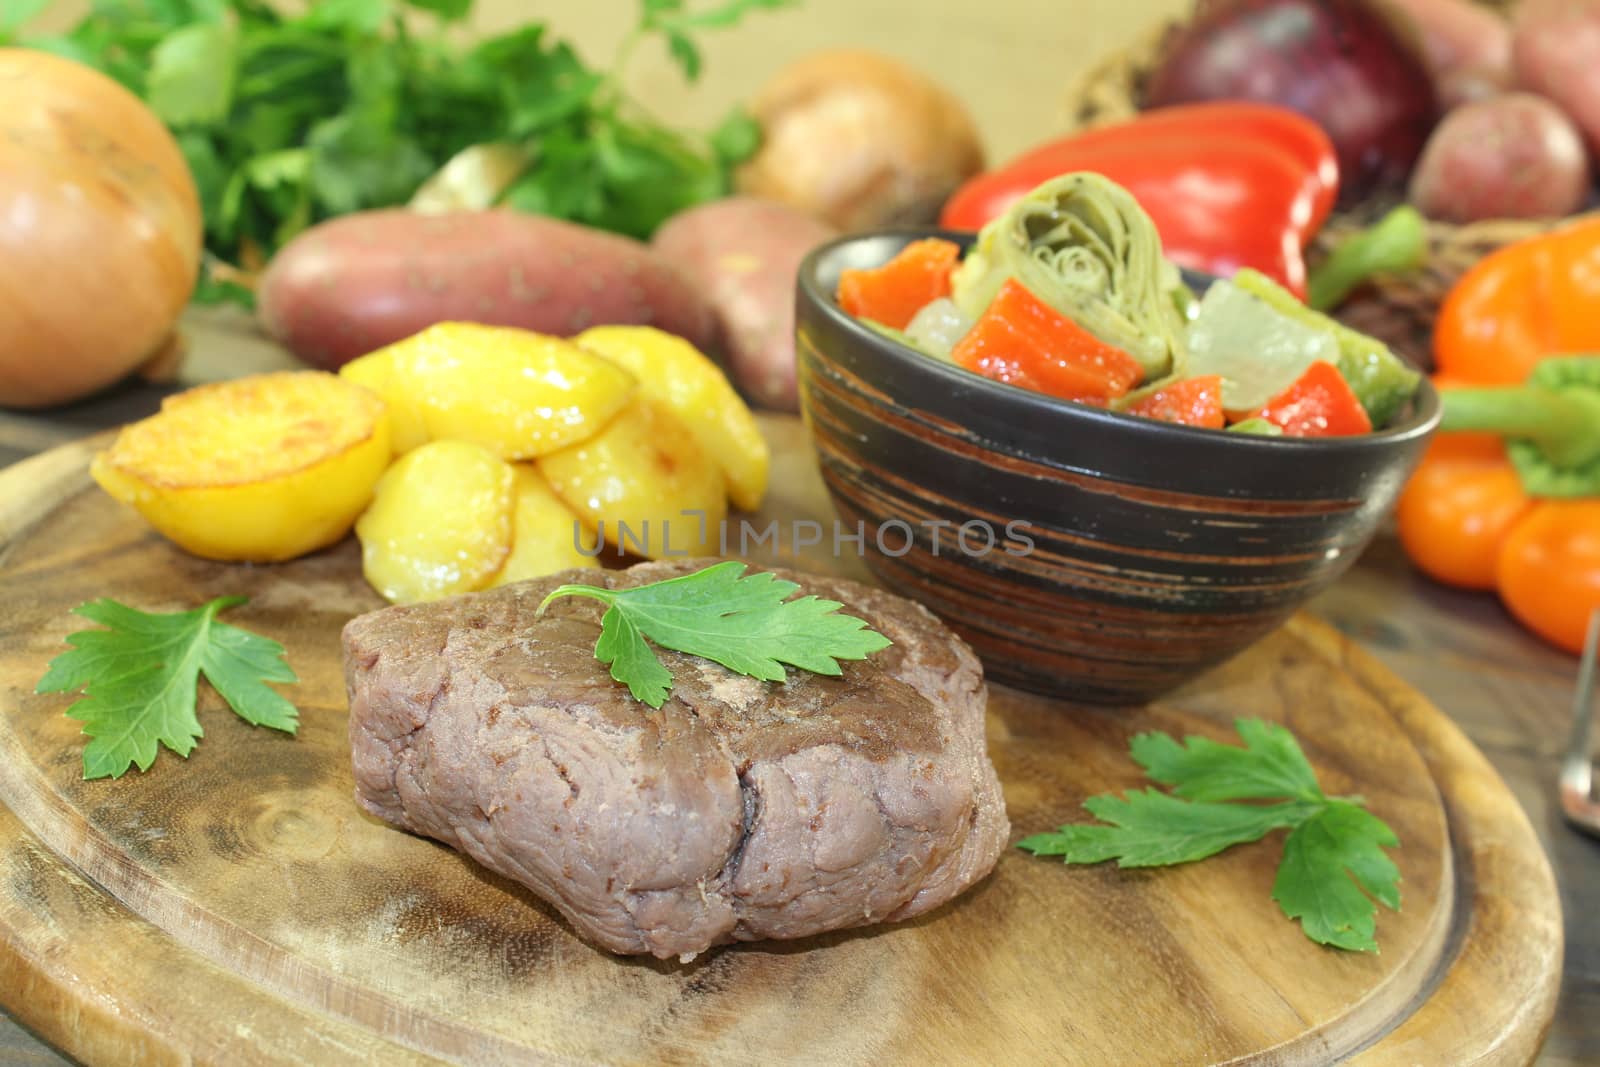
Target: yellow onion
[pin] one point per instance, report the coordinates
(100, 230)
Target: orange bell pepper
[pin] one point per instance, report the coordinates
(893, 293)
(1520, 304)
(1522, 517)
(1024, 341)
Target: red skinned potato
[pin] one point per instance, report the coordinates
(1467, 46)
(1515, 156)
(353, 284)
(743, 253)
(1555, 49)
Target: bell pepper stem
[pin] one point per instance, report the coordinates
(1393, 245)
(1564, 424)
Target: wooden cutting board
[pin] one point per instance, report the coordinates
(238, 907)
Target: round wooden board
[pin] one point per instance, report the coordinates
(237, 907)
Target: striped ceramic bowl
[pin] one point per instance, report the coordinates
(1086, 554)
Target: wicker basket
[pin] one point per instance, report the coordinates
(1399, 309)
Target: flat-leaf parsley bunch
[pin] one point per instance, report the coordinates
(292, 113)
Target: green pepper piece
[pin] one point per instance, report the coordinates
(1381, 380)
(1395, 244)
(1258, 426)
(1552, 424)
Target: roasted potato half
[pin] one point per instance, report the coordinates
(678, 376)
(644, 484)
(440, 522)
(264, 468)
(516, 393)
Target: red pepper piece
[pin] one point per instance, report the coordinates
(1319, 404)
(1220, 197)
(893, 293)
(1024, 341)
(1191, 401)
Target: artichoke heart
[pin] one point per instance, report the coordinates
(1083, 245)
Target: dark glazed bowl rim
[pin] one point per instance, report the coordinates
(1420, 421)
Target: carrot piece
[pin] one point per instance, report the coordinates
(1191, 401)
(893, 293)
(1024, 341)
(1320, 403)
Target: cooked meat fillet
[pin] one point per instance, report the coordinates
(739, 810)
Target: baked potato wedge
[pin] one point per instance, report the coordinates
(259, 469)
(516, 393)
(547, 536)
(681, 378)
(440, 522)
(643, 484)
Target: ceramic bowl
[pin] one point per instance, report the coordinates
(1099, 557)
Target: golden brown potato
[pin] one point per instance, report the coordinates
(547, 536)
(644, 484)
(440, 522)
(263, 468)
(516, 393)
(678, 376)
(377, 373)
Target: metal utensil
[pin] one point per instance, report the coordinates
(1578, 802)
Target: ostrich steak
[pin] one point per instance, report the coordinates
(739, 810)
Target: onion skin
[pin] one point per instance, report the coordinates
(1347, 64)
(860, 141)
(100, 231)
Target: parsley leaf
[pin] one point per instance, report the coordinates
(747, 623)
(1323, 860)
(191, 75)
(1153, 829)
(140, 675)
(1333, 852)
(1270, 765)
(632, 662)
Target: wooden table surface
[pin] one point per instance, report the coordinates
(1509, 693)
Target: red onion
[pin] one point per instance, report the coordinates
(1343, 63)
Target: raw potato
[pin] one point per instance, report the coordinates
(1513, 156)
(517, 393)
(1467, 46)
(1555, 49)
(547, 536)
(860, 140)
(440, 523)
(676, 375)
(356, 283)
(260, 469)
(744, 253)
(644, 468)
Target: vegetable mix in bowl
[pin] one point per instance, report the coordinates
(1068, 293)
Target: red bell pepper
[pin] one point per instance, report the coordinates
(1320, 403)
(1202, 124)
(893, 293)
(1024, 341)
(1227, 185)
(1191, 401)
